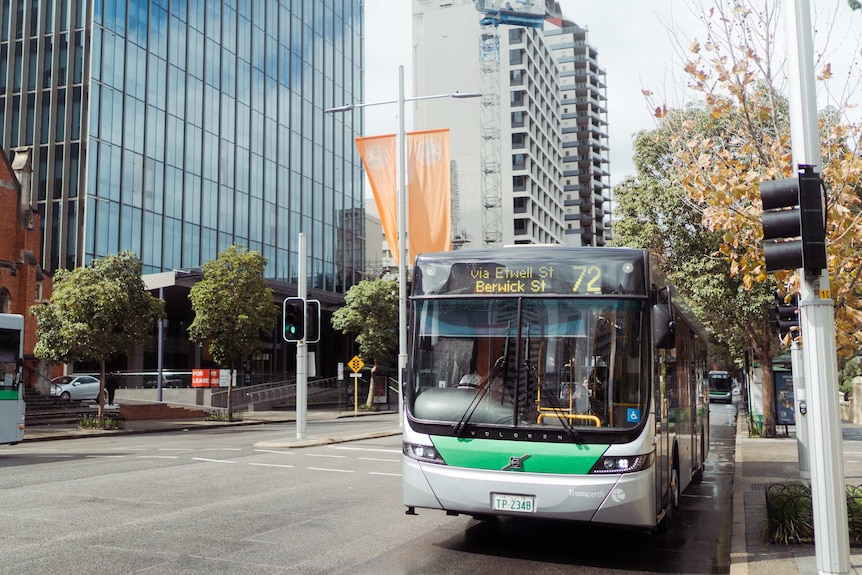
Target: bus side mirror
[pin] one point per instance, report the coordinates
(663, 333)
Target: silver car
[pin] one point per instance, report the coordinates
(68, 387)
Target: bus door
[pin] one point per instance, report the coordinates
(663, 391)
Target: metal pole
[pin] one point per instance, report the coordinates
(402, 248)
(800, 406)
(161, 349)
(817, 319)
(301, 346)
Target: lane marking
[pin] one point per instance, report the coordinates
(380, 450)
(212, 460)
(158, 457)
(381, 473)
(379, 459)
(274, 451)
(271, 465)
(335, 470)
(104, 456)
(327, 455)
(222, 449)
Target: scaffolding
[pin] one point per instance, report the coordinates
(492, 189)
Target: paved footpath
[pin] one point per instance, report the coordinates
(759, 463)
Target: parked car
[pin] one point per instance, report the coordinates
(169, 380)
(75, 387)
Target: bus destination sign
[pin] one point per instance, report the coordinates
(536, 279)
(549, 272)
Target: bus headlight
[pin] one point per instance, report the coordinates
(426, 453)
(622, 464)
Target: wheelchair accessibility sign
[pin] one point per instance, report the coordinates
(633, 415)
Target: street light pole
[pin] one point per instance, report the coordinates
(402, 248)
(402, 211)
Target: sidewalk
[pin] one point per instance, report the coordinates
(70, 431)
(759, 463)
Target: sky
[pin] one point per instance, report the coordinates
(634, 45)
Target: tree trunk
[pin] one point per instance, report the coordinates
(372, 386)
(101, 393)
(229, 389)
(768, 397)
(762, 343)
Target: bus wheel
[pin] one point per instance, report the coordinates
(672, 510)
(698, 474)
(673, 503)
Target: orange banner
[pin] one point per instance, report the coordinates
(379, 158)
(429, 188)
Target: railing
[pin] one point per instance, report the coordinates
(274, 392)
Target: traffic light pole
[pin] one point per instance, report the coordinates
(301, 345)
(817, 320)
(800, 401)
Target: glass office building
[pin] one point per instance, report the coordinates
(175, 128)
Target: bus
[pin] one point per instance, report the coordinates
(587, 399)
(11, 378)
(720, 386)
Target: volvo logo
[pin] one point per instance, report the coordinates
(516, 462)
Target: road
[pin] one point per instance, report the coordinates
(216, 502)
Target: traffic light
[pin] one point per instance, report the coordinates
(812, 217)
(294, 319)
(785, 315)
(794, 229)
(312, 321)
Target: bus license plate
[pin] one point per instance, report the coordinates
(516, 503)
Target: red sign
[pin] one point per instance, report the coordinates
(204, 378)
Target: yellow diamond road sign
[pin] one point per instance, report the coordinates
(356, 364)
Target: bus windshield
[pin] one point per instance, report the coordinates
(530, 362)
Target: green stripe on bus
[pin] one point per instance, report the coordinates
(8, 394)
(493, 454)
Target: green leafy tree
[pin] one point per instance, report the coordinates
(371, 312)
(96, 312)
(233, 306)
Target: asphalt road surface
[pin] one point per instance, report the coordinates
(214, 502)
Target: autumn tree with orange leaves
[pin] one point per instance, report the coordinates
(716, 152)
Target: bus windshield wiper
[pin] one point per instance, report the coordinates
(481, 393)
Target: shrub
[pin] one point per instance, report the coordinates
(108, 422)
(790, 516)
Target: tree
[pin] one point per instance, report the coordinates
(233, 306)
(96, 312)
(371, 312)
(719, 150)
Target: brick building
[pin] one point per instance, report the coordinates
(22, 280)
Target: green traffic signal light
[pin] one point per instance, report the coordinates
(294, 319)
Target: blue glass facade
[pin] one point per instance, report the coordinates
(175, 128)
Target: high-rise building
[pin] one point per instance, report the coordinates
(175, 128)
(584, 133)
(547, 132)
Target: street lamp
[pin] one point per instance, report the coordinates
(402, 216)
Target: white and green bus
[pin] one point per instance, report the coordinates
(585, 396)
(11, 378)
